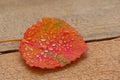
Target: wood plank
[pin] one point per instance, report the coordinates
(102, 61)
(92, 19)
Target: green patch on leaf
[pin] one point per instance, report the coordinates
(46, 27)
(58, 24)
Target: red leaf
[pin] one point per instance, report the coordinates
(51, 43)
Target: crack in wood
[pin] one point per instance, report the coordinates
(87, 41)
(8, 51)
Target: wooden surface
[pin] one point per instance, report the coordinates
(93, 19)
(101, 62)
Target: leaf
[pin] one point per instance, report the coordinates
(50, 50)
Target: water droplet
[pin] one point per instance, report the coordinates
(59, 44)
(60, 41)
(48, 37)
(60, 49)
(69, 40)
(68, 47)
(40, 59)
(46, 51)
(26, 48)
(51, 32)
(72, 39)
(45, 56)
(43, 39)
(40, 44)
(66, 31)
(71, 45)
(42, 53)
(50, 48)
(67, 44)
(28, 54)
(31, 49)
(44, 46)
(37, 56)
(65, 41)
(53, 45)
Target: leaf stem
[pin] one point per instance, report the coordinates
(10, 40)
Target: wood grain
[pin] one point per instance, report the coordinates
(93, 19)
(101, 62)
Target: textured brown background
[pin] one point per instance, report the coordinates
(92, 18)
(101, 62)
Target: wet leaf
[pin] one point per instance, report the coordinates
(51, 50)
